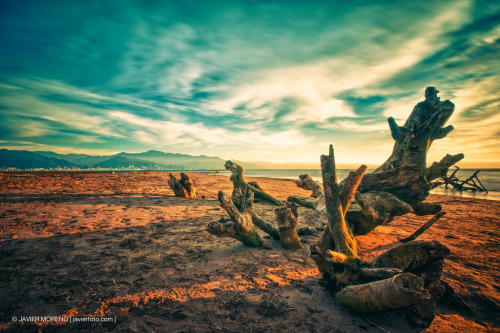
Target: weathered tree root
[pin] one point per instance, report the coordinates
(306, 182)
(183, 187)
(287, 223)
(240, 183)
(243, 220)
(241, 226)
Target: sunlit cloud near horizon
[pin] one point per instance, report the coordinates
(273, 81)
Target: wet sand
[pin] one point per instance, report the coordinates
(120, 245)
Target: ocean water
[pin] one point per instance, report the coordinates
(489, 178)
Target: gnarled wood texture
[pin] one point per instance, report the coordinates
(307, 183)
(240, 226)
(183, 187)
(287, 224)
(240, 183)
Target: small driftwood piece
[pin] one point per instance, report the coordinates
(240, 226)
(423, 228)
(182, 187)
(265, 226)
(287, 224)
(470, 184)
(306, 182)
(401, 290)
(301, 201)
(240, 183)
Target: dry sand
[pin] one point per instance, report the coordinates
(119, 245)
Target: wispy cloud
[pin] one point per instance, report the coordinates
(254, 80)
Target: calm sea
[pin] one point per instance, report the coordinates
(489, 178)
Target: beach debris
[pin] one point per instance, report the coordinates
(405, 277)
(287, 224)
(182, 187)
(240, 226)
(301, 201)
(244, 221)
(306, 182)
(423, 228)
(462, 185)
(240, 183)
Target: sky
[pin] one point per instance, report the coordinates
(266, 80)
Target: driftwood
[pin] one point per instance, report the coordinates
(423, 228)
(301, 201)
(402, 183)
(240, 183)
(398, 291)
(471, 184)
(243, 221)
(182, 187)
(405, 277)
(239, 207)
(287, 223)
(306, 182)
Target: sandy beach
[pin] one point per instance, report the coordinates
(121, 246)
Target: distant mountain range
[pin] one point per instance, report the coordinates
(150, 160)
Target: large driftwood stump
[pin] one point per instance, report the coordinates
(405, 277)
(240, 183)
(183, 187)
(401, 184)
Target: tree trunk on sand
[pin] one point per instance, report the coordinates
(306, 182)
(287, 224)
(240, 183)
(183, 187)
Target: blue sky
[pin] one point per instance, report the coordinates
(252, 80)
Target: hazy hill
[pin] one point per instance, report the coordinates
(155, 160)
(22, 159)
(120, 162)
(80, 159)
(184, 160)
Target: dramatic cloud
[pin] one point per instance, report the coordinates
(274, 80)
